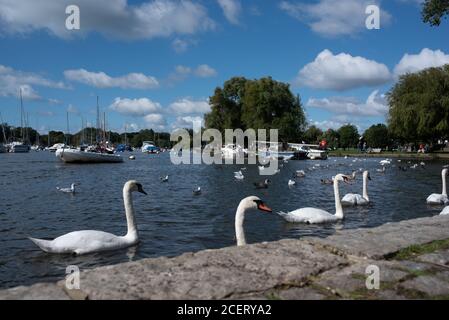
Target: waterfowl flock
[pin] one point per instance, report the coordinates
(89, 241)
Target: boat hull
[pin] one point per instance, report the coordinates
(77, 156)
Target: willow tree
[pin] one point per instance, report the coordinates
(257, 104)
(419, 106)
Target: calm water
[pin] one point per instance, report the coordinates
(170, 219)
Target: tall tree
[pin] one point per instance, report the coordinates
(332, 138)
(349, 136)
(434, 10)
(377, 136)
(257, 104)
(419, 106)
(312, 134)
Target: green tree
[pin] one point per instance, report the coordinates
(332, 138)
(434, 10)
(257, 104)
(419, 106)
(312, 134)
(377, 136)
(349, 136)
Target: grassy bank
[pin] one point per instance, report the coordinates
(389, 154)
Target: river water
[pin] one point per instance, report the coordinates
(171, 220)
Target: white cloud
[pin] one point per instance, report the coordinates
(180, 45)
(187, 122)
(427, 58)
(155, 121)
(183, 72)
(374, 106)
(112, 18)
(189, 106)
(231, 10)
(333, 18)
(135, 107)
(102, 80)
(342, 72)
(205, 71)
(12, 80)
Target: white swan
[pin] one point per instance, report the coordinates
(437, 198)
(313, 215)
(246, 204)
(291, 183)
(352, 199)
(445, 211)
(88, 241)
(67, 190)
(239, 175)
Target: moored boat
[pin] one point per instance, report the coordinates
(150, 147)
(19, 147)
(78, 156)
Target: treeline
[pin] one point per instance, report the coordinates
(87, 136)
(348, 136)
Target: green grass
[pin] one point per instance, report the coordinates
(417, 250)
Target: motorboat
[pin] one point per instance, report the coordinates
(313, 151)
(19, 147)
(79, 156)
(150, 147)
(56, 147)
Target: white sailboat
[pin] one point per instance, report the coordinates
(97, 154)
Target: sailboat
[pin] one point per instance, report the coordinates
(99, 153)
(21, 146)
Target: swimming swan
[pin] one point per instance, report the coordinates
(442, 198)
(245, 205)
(352, 199)
(88, 241)
(313, 215)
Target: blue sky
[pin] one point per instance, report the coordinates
(155, 63)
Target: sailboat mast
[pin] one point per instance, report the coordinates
(21, 114)
(3, 128)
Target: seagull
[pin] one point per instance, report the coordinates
(291, 183)
(197, 191)
(67, 190)
(239, 175)
(164, 179)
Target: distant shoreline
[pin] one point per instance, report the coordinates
(417, 156)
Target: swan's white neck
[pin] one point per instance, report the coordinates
(338, 207)
(239, 232)
(365, 187)
(129, 210)
(443, 176)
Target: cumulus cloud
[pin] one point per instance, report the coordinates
(102, 80)
(205, 71)
(333, 18)
(374, 106)
(427, 58)
(183, 72)
(11, 81)
(231, 10)
(187, 122)
(135, 107)
(342, 72)
(189, 106)
(112, 18)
